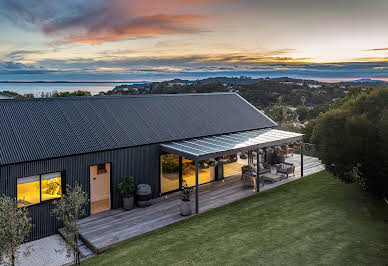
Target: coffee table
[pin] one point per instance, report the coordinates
(272, 177)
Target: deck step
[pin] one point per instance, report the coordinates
(85, 251)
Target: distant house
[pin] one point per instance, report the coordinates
(4, 96)
(313, 86)
(160, 140)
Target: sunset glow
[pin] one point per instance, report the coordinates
(150, 39)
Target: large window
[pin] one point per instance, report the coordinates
(169, 164)
(29, 189)
(188, 172)
(233, 164)
(35, 189)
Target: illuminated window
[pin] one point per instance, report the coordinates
(188, 172)
(51, 186)
(169, 164)
(28, 190)
(34, 189)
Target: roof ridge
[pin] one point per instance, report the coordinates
(117, 96)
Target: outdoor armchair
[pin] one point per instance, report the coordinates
(286, 168)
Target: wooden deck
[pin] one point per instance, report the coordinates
(105, 229)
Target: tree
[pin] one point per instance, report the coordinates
(57, 94)
(281, 114)
(69, 209)
(308, 130)
(354, 135)
(303, 113)
(15, 227)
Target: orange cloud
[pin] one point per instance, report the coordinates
(127, 28)
(98, 21)
(117, 20)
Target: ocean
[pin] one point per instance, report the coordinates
(38, 88)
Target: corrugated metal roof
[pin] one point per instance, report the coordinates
(34, 129)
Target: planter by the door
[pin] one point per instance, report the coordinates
(185, 208)
(128, 203)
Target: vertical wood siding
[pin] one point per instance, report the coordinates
(140, 162)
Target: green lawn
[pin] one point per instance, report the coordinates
(315, 220)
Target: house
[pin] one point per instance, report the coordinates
(47, 144)
(4, 96)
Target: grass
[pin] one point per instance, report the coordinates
(316, 220)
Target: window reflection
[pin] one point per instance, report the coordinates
(169, 164)
(188, 172)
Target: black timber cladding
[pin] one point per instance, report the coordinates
(36, 129)
(140, 162)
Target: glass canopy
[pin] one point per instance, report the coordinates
(220, 145)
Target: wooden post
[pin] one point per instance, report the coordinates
(301, 159)
(257, 171)
(196, 187)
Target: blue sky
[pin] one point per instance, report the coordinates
(124, 40)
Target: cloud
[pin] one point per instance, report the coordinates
(189, 67)
(371, 59)
(15, 68)
(100, 21)
(21, 54)
(377, 49)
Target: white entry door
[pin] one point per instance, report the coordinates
(99, 188)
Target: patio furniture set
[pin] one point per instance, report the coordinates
(268, 173)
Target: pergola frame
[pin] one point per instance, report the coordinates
(217, 146)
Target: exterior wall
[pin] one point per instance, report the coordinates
(140, 162)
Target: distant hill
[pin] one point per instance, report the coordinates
(260, 92)
(366, 81)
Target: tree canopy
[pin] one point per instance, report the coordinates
(352, 139)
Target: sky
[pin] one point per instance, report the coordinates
(129, 40)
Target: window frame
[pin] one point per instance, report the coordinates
(63, 183)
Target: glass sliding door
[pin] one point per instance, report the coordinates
(233, 164)
(188, 172)
(169, 172)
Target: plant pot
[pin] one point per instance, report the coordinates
(128, 203)
(185, 208)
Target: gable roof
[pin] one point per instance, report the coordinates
(34, 129)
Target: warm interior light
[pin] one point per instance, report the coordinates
(29, 192)
(51, 188)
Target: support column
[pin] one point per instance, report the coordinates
(257, 170)
(301, 159)
(196, 188)
(180, 173)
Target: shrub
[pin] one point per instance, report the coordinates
(15, 227)
(355, 135)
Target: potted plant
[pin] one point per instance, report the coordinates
(185, 206)
(127, 188)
